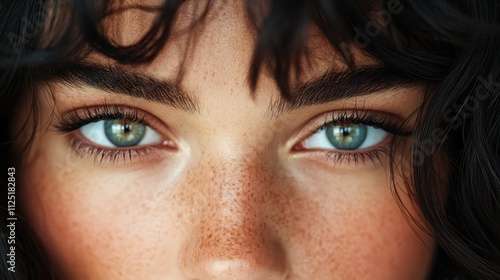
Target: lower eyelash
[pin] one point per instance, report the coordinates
(101, 155)
(376, 156)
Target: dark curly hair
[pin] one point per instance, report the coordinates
(450, 45)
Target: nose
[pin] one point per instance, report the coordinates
(232, 237)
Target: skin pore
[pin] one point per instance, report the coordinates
(232, 190)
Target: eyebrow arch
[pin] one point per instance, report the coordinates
(333, 86)
(330, 87)
(114, 79)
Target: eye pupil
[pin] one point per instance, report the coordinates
(346, 131)
(347, 136)
(127, 128)
(124, 133)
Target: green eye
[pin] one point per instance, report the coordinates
(124, 133)
(347, 136)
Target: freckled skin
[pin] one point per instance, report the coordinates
(233, 201)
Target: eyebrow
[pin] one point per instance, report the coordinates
(330, 87)
(114, 79)
(334, 86)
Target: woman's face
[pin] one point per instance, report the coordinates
(219, 182)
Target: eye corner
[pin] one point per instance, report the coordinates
(298, 147)
(168, 144)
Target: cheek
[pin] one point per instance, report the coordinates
(365, 238)
(350, 226)
(100, 223)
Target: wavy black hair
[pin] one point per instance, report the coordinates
(450, 45)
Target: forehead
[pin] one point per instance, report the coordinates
(215, 33)
(210, 49)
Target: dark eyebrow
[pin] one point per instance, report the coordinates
(114, 79)
(333, 86)
(330, 87)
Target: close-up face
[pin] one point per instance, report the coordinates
(136, 173)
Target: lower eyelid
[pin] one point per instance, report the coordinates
(376, 155)
(370, 157)
(82, 148)
(102, 155)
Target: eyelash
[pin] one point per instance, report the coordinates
(387, 122)
(78, 118)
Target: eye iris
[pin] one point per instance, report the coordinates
(124, 133)
(347, 136)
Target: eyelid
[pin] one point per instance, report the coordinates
(364, 115)
(72, 119)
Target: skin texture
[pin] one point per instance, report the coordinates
(233, 199)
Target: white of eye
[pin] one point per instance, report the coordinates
(319, 140)
(94, 132)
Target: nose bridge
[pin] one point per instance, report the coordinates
(237, 217)
(239, 183)
(231, 238)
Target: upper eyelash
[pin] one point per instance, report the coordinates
(74, 120)
(390, 123)
(387, 122)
